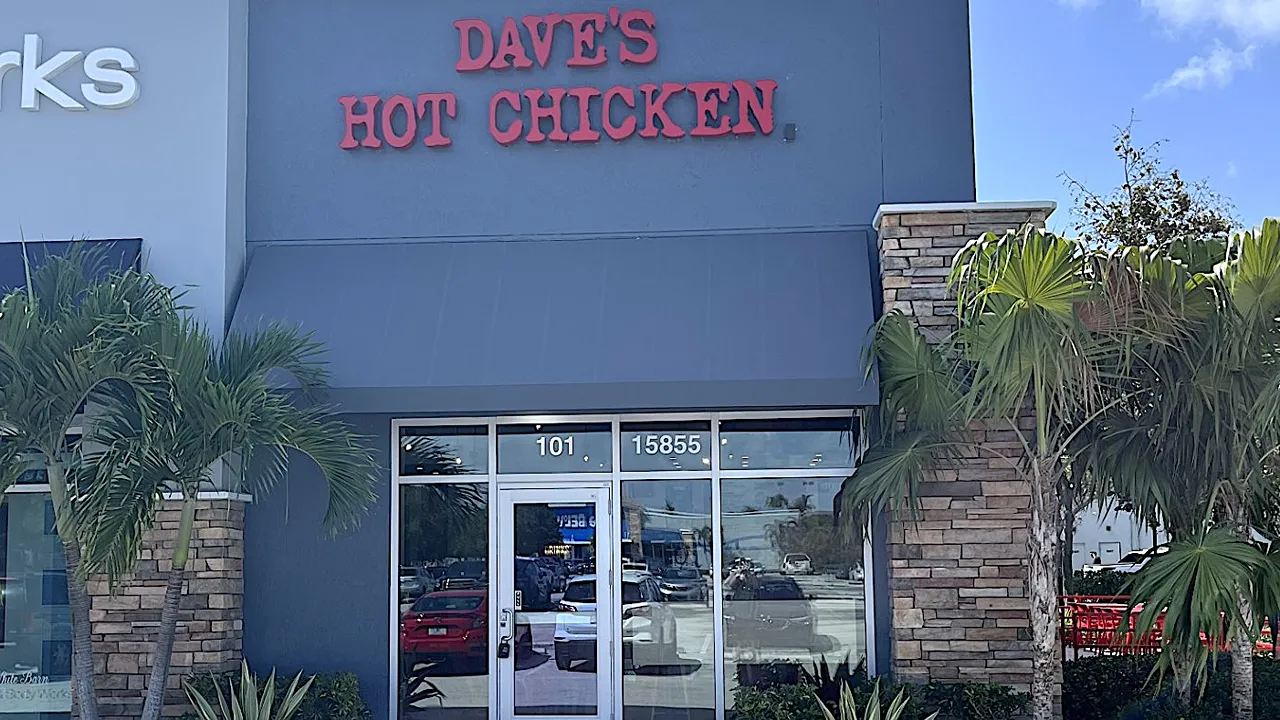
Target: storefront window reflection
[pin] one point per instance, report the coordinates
(801, 444)
(444, 601)
(793, 581)
(35, 621)
(668, 625)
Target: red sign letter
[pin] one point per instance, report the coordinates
(537, 114)
(437, 138)
(643, 34)
(628, 126)
(467, 61)
(655, 109)
(365, 118)
(512, 133)
(709, 108)
(404, 140)
(584, 133)
(542, 42)
(585, 27)
(510, 45)
(762, 106)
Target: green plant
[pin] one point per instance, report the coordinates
(222, 404)
(992, 702)
(828, 683)
(775, 702)
(70, 338)
(848, 706)
(247, 703)
(333, 696)
(1103, 583)
(1022, 358)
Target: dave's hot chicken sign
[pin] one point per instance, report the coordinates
(580, 114)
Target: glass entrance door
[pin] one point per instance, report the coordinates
(556, 606)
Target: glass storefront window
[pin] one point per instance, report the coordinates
(666, 551)
(788, 444)
(444, 601)
(35, 620)
(793, 581)
(666, 446)
(543, 449)
(444, 450)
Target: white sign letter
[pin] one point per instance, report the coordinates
(107, 67)
(35, 77)
(11, 60)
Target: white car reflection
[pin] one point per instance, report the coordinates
(648, 625)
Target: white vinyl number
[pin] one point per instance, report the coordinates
(667, 444)
(555, 446)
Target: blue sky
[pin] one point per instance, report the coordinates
(1053, 78)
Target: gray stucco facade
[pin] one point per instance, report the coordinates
(705, 273)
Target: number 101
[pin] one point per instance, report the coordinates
(555, 446)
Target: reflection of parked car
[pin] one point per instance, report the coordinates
(414, 583)
(452, 626)
(770, 611)
(465, 574)
(682, 583)
(648, 625)
(1130, 563)
(797, 564)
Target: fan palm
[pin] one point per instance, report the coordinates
(1021, 358)
(70, 340)
(1195, 447)
(222, 405)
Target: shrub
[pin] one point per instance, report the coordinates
(776, 702)
(1105, 582)
(951, 702)
(1117, 688)
(334, 696)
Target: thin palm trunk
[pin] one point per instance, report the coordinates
(1242, 645)
(77, 597)
(162, 656)
(1043, 575)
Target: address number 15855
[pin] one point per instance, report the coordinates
(667, 444)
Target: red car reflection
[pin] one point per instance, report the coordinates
(451, 626)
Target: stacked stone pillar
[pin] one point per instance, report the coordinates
(958, 572)
(211, 621)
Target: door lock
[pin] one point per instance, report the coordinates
(504, 630)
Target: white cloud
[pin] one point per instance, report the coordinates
(1217, 68)
(1249, 20)
(1080, 4)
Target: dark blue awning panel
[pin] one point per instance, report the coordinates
(750, 321)
(111, 255)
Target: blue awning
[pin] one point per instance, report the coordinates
(490, 327)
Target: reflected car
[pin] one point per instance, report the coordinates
(648, 625)
(465, 574)
(1131, 563)
(452, 626)
(682, 583)
(414, 583)
(770, 612)
(797, 564)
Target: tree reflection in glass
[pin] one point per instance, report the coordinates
(444, 605)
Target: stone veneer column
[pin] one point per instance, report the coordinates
(211, 621)
(957, 576)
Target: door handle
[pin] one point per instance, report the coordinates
(505, 633)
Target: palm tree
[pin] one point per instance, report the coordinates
(70, 340)
(1024, 349)
(1194, 445)
(221, 407)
